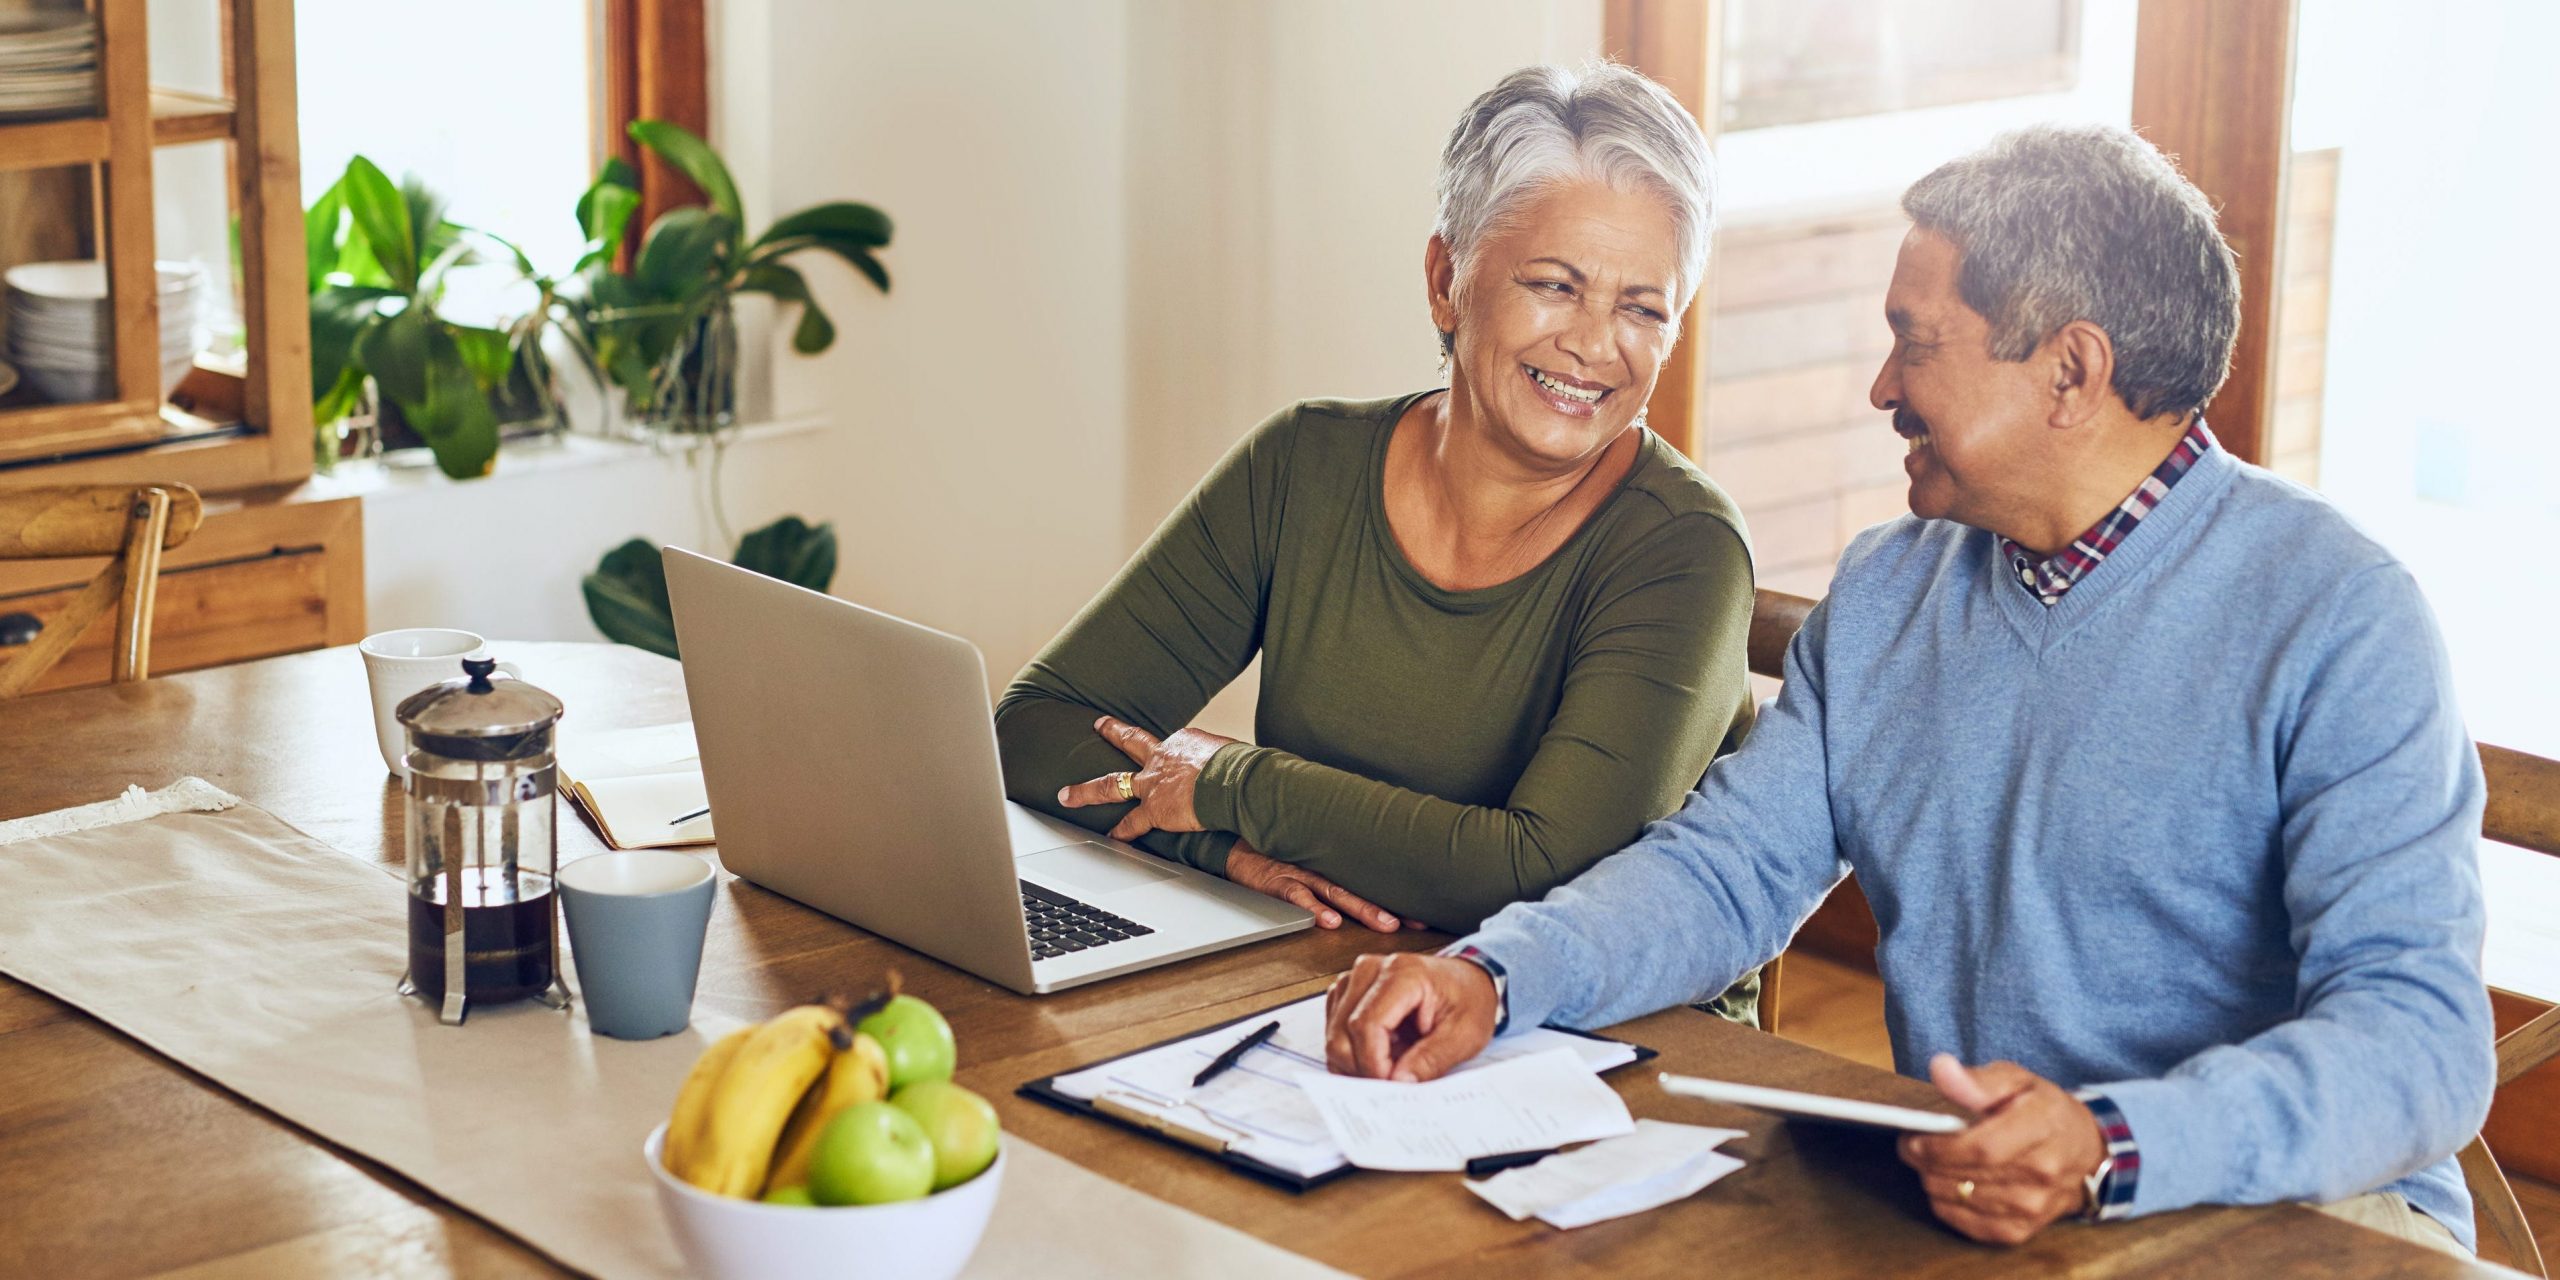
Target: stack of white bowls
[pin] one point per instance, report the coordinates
(62, 335)
(48, 65)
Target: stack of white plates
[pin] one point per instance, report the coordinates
(48, 64)
(62, 337)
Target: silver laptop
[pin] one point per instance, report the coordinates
(851, 762)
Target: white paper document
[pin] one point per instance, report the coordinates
(1546, 1099)
(1659, 1163)
(1260, 1108)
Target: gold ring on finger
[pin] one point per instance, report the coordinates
(1128, 785)
(1964, 1189)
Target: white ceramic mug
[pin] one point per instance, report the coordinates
(399, 663)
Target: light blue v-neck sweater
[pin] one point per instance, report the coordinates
(2203, 835)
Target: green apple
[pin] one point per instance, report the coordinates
(960, 1124)
(794, 1195)
(871, 1153)
(916, 1039)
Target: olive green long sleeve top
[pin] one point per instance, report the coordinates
(1441, 753)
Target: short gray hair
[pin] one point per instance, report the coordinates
(2058, 223)
(1544, 125)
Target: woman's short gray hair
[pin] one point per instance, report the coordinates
(2058, 223)
(1543, 125)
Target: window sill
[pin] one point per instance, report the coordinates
(375, 482)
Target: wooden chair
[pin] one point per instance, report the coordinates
(133, 524)
(2524, 810)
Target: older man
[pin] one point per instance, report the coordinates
(2147, 760)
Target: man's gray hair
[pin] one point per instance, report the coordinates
(1544, 125)
(2058, 223)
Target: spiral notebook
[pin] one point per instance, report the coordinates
(1255, 1118)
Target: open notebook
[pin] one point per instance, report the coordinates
(636, 783)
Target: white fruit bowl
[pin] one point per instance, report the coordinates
(728, 1239)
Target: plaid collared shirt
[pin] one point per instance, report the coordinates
(2048, 579)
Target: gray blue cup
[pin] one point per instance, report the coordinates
(636, 920)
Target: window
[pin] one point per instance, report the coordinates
(489, 101)
(2409, 385)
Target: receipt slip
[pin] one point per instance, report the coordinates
(1544, 1099)
(1658, 1163)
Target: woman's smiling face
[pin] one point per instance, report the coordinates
(1563, 318)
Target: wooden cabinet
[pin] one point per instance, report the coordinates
(266, 574)
(275, 568)
(263, 434)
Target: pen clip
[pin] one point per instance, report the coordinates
(1155, 1122)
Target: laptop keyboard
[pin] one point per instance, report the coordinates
(1060, 924)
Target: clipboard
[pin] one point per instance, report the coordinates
(1205, 1139)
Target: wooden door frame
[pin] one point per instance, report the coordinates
(2213, 87)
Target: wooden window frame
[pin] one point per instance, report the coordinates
(654, 65)
(2212, 86)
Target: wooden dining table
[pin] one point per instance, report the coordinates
(117, 1161)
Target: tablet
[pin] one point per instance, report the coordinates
(1814, 1106)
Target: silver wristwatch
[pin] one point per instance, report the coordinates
(2096, 1185)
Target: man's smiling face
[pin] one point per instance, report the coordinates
(1976, 424)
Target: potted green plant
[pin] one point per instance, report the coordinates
(378, 258)
(664, 333)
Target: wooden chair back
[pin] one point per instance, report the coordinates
(131, 524)
(2524, 810)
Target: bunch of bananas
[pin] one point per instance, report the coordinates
(750, 1112)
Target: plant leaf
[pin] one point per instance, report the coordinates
(684, 252)
(419, 366)
(627, 598)
(604, 212)
(460, 426)
(323, 233)
(485, 352)
(338, 400)
(792, 550)
(426, 218)
(815, 332)
(395, 351)
(836, 220)
(859, 259)
(339, 314)
(695, 159)
(383, 216)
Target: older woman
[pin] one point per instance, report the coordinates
(1502, 625)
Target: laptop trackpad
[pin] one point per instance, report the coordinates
(1093, 869)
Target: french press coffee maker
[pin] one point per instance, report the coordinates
(482, 795)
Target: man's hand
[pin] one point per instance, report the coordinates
(2024, 1162)
(1407, 1017)
(1161, 784)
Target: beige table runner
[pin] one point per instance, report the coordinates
(264, 959)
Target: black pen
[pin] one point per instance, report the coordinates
(1487, 1166)
(678, 822)
(1236, 1054)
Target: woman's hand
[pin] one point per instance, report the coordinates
(1167, 772)
(1305, 889)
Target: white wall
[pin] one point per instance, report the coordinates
(1281, 160)
(975, 472)
(1126, 232)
